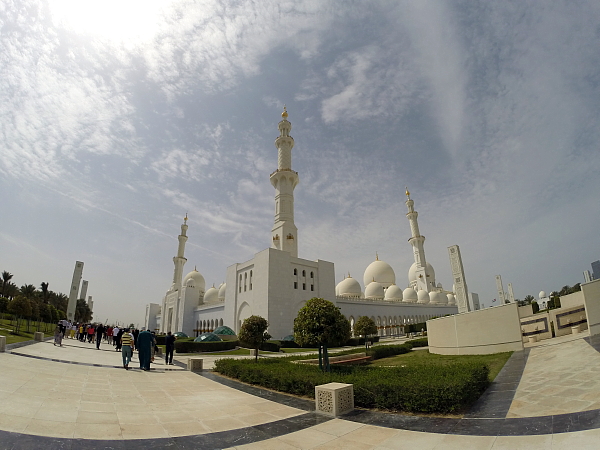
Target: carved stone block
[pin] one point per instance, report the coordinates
(334, 399)
(2, 343)
(38, 336)
(195, 364)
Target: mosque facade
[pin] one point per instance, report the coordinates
(276, 283)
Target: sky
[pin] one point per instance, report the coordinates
(117, 118)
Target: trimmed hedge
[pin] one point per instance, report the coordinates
(187, 346)
(268, 346)
(422, 342)
(425, 389)
(385, 351)
(355, 341)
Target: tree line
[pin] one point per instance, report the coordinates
(29, 303)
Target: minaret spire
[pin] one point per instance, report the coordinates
(180, 260)
(417, 241)
(284, 234)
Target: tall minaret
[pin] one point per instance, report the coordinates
(284, 234)
(417, 243)
(180, 260)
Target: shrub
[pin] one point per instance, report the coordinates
(267, 346)
(385, 351)
(189, 346)
(426, 388)
(422, 342)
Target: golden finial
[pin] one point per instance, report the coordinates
(185, 219)
(376, 256)
(284, 114)
(349, 274)
(195, 270)
(407, 193)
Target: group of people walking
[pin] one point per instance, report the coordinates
(124, 340)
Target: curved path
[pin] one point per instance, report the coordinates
(78, 397)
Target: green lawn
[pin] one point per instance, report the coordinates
(7, 328)
(419, 357)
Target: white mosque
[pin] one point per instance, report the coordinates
(276, 283)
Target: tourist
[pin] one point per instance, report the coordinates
(58, 335)
(115, 334)
(81, 332)
(109, 335)
(90, 332)
(73, 329)
(169, 348)
(99, 333)
(126, 348)
(118, 339)
(144, 345)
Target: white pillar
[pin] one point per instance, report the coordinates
(73, 293)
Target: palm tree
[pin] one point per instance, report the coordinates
(6, 277)
(28, 291)
(528, 299)
(10, 290)
(45, 292)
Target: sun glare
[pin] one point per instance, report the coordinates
(125, 21)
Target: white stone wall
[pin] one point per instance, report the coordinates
(591, 294)
(152, 312)
(489, 330)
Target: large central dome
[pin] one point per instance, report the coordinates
(380, 272)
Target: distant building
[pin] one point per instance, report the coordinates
(474, 301)
(587, 276)
(596, 270)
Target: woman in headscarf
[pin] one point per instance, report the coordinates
(58, 335)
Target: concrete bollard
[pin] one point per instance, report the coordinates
(195, 364)
(2, 344)
(334, 399)
(38, 336)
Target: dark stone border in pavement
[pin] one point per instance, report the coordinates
(495, 402)
(221, 439)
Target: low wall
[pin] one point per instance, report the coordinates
(481, 332)
(525, 311)
(565, 318)
(591, 298)
(537, 325)
(572, 300)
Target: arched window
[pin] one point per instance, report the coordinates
(250, 280)
(245, 280)
(240, 282)
(295, 271)
(304, 273)
(312, 275)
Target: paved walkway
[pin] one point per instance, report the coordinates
(78, 397)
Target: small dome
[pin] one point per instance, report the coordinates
(409, 295)
(380, 272)
(438, 298)
(412, 273)
(393, 293)
(542, 295)
(208, 337)
(451, 299)
(374, 290)
(224, 330)
(222, 291)
(348, 287)
(212, 295)
(198, 279)
(191, 283)
(423, 297)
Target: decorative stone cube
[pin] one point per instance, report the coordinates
(38, 336)
(334, 399)
(253, 352)
(2, 343)
(195, 364)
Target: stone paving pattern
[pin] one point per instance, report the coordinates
(562, 376)
(87, 406)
